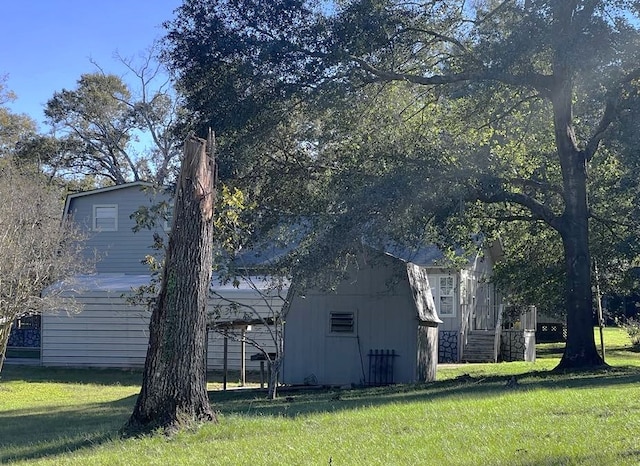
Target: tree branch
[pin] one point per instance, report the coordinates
(537, 208)
(609, 115)
(540, 82)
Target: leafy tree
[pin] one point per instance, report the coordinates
(13, 127)
(97, 124)
(527, 98)
(570, 58)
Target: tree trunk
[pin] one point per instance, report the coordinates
(580, 350)
(174, 387)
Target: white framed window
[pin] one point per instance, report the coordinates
(168, 214)
(342, 323)
(446, 301)
(105, 217)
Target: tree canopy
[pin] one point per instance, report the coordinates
(430, 119)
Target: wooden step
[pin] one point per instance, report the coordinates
(479, 347)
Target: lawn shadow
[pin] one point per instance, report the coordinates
(92, 375)
(294, 402)
(32, 434)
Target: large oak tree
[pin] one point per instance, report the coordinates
(540, 90)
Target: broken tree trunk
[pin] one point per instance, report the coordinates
(174, 386)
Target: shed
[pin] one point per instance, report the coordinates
(379, 326)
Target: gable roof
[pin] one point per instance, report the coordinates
(70, 197)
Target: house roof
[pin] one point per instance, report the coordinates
(424, 256)
(122, 283)
(70, 197)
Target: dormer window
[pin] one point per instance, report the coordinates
(105, 217)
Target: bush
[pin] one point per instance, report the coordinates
(632, 327)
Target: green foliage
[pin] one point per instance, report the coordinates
(98, 122)
(381, 121)
(13, 127)
(632, 327)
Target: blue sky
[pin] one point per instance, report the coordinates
(47, 44)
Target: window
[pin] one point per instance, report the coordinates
(446, 289)
(168, 216)
(105, 217)
(342, 322)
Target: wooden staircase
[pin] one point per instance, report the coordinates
(479, 346)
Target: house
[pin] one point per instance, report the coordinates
(472, 311)
(112, 332)
(455, 312)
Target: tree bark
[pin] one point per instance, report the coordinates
(580, 350)
(174, 387)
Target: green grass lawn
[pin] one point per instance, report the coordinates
(469, 417)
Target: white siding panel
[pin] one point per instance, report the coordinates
(111, 333)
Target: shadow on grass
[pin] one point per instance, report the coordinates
(102, 376)
(555, 350)
(292, 403)
(595, 458)
(27, 435)
(97, 376)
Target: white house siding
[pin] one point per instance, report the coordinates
(449, 322)
(386, 319)
(109, 332)
(106, 333)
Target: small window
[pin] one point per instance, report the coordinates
(105, 217)
(168, 217)
(342, 322)
(446, 290)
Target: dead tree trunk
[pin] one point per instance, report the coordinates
(174, 387)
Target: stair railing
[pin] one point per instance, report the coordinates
(465, 327)
(498, 335)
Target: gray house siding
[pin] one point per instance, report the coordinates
(122, 250)
(385, 319)
(109, 332)
(106, 333)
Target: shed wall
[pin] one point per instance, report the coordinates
(385, 319)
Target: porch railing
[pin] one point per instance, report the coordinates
(498, 335)
(481, 317)
(465, 326)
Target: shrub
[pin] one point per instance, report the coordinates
(632, 327)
